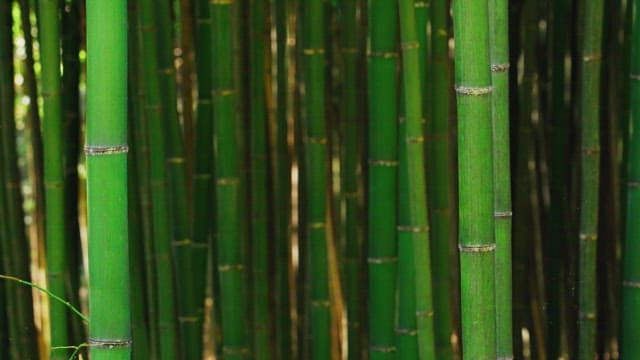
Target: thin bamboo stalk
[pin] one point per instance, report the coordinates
(106, 151)
(52, 127)
(383, 165)
(476, 238)
(230, 252)
(499, 43)
(590, 55)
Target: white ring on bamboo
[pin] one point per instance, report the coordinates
(413, 229)
(321, 303)
(500, 67)
(587, 315)
(228, 181)
(474, 90)
(313, 51)
(477, 248)
(424, 314)
(382, 260)
(231, 267)
(316, 225)
(383, 54)
(109, 343)
(633, 76)
(96, 150)
(502, 214)
(235, 350)
(631, 284)
(592, 57)
(386, 163)
(589, 237)
(633, 184)
(408, 332)
(383, 349)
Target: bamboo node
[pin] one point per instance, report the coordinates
(235, 350)
(631, 284)
(383, 349)
(505, 358)
(321, 303)
(187, 319)
(316, 225)
(589, 237)
(474, 90)
(350, 50)
(167, 71)
(500, 67)
(183, 242)
(407, 332)
(231, 267)
(591, 150)
(421, 4)
(383, 54)
(587, 315)
(105, 150)
(313, 51)
(633, 76)
(228, 181)
(47, 185)
(413, 229)
(176, 160)
(223, 92)
(382, 260)
(414, 139)
(109, 343)
(424, 314)
(477, 248)
(385, 163)
(410, 45)
(503, 214)
(592, 57)
(315, 140)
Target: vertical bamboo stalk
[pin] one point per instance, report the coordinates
(383, 164)
(499, 43)
(476, 238)
(591, 58)
(55, 232)
(106, 151)
(230, 252)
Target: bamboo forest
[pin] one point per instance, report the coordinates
(319, 179)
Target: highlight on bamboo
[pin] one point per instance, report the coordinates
(309, 179)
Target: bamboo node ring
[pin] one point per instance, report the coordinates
(385, 163)
(410, 45)
(187, 319)
(167, 71)
(315, 140)
(313, 51)
(591, 150)
(413, 229)
(633, 184)
(183, 242)
(414, 139)
(424, 314)
(105, 150)
(503, 214)
(223, 92)
(382, 260)
(592, 57)
(350, 50)
(231, 267)
(109, 343)
(321, 303)
(383, 349)
(631, 284)
(589, 237)
(203, 21)
(421, 4)
(587, 315)
(633, 76)
(316, 225)
(505, 358)
(474, 90)
(228, 181)
(477, 248)
(383, 54)
(176, 160)
(408, 332)
(221, 2)
(350, 194)
(235, 350)
(202, 176)
(495, 68)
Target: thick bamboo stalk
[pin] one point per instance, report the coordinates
(499, 43)
(21, 324)
(154, 107)
(591, 58)
(52, 130)
(383, 164)
(315, 183)
(230, 253)
(441, 178)
(631, 269)
(258, 181)
(106, 152)
(475, 165)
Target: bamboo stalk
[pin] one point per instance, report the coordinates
(476, 238)
(590, 55)
(109, 333)
(499, 44)
(230, 252)
(383, 164)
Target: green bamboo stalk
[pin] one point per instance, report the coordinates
(181, 242)
(258, 181)
(52, 130)
(24, 331)
(383, 162)
(281, 170)
(416, 223)
(440, 189)
(350, 113)
(106, 151)
(499, 43)
(202, 178)
(475, 165)
(166, 309)
(590, 54)
(315, 185)
(230, 252)
(631, 271)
